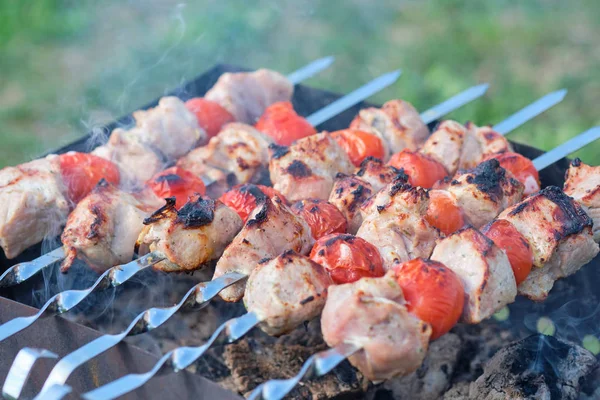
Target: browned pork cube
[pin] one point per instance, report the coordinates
(582, 182)
(484, 270)
(371, 314)
(348, 195)
(445, 145)
(286, 291)
(377, 173)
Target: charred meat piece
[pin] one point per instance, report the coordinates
(238, 148)
(377, 173)
(190, 237)
(582, 182)
(286, 291)
(271, 229)
(370, 313)
(397, 122)
(560, 235)
(348, 195)
(445, 145)
(103, 228)
(246, 95)
(307, 168)
(34, 204)
(484, 270)
(395, 224)
(484, 192)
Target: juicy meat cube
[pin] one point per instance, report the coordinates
(103, 228)
(397, 122)
(484, 270)
(286, 291)
(272, 228)
(190, 237)
(559, 233)
(34, 204)
(246, 95)
(348, 194)
(376, 173)
(371, 313)
(582, 182)
(445, 145)
(482, 193)
(238, 148)
(308, 167)
(480, 143)
(396, 225)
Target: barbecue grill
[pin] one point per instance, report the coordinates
(572, 306)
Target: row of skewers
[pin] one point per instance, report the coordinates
(310, 168)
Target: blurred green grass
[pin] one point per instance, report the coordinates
(67, 66)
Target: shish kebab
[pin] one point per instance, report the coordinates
(289, 289)
(41, 192)
(199, 295)
(116, 276)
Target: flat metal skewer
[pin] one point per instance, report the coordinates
(21, 272)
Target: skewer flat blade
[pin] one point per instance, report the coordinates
(23, 271)
(570, 146)
(353, 98)
(311, 69)
(529, 112)
(454, 102)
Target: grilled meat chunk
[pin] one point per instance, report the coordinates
(395, 224)
(238, 148)
(559, 233)
(445, 145)
(484, 270)
(348, 195)
(582, 182)
(246, 95)
(484, 192)
(272, 228)
(286, 291)
(103, 228)
(35, 204)
(377, 173)
(397, 122)
(190, 237)
(370, 313)
(480, 143)
(307, 168)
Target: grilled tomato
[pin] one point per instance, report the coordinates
(321, 216)
(176, 182)
(81, 172)
(443, 212)
(244, 198)
(359, 145)
(421, 169)
(211, 116)
(523, 170)
(281, 122)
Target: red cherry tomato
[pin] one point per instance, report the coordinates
(211, 116)
(508, 238)
(421, 169)
(359, 145)
(433, 292)
(281, 122)
(244, 198)
(176, 182)
(81, 172)
(347, 257)
(443, 212)
(523, 170)
(321, 216)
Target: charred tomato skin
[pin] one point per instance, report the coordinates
(81, 172)
(421, 169)
(508, 238)
(176, 182)
(433, 293)
(522, 169)
(443, 213)
(211, 116)
(321, 216)
(281, 122)
(244, 198)
(347, 258)
(359, 145)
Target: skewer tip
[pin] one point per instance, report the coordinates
(560, 94)
(482, 88)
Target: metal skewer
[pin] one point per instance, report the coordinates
(21, 272)
(317, 365)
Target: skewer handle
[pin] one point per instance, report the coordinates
(21, 272)
(21, 369)
(317, 365)
(177, 359)
(152, 318)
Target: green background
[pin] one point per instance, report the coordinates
(67, 66)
